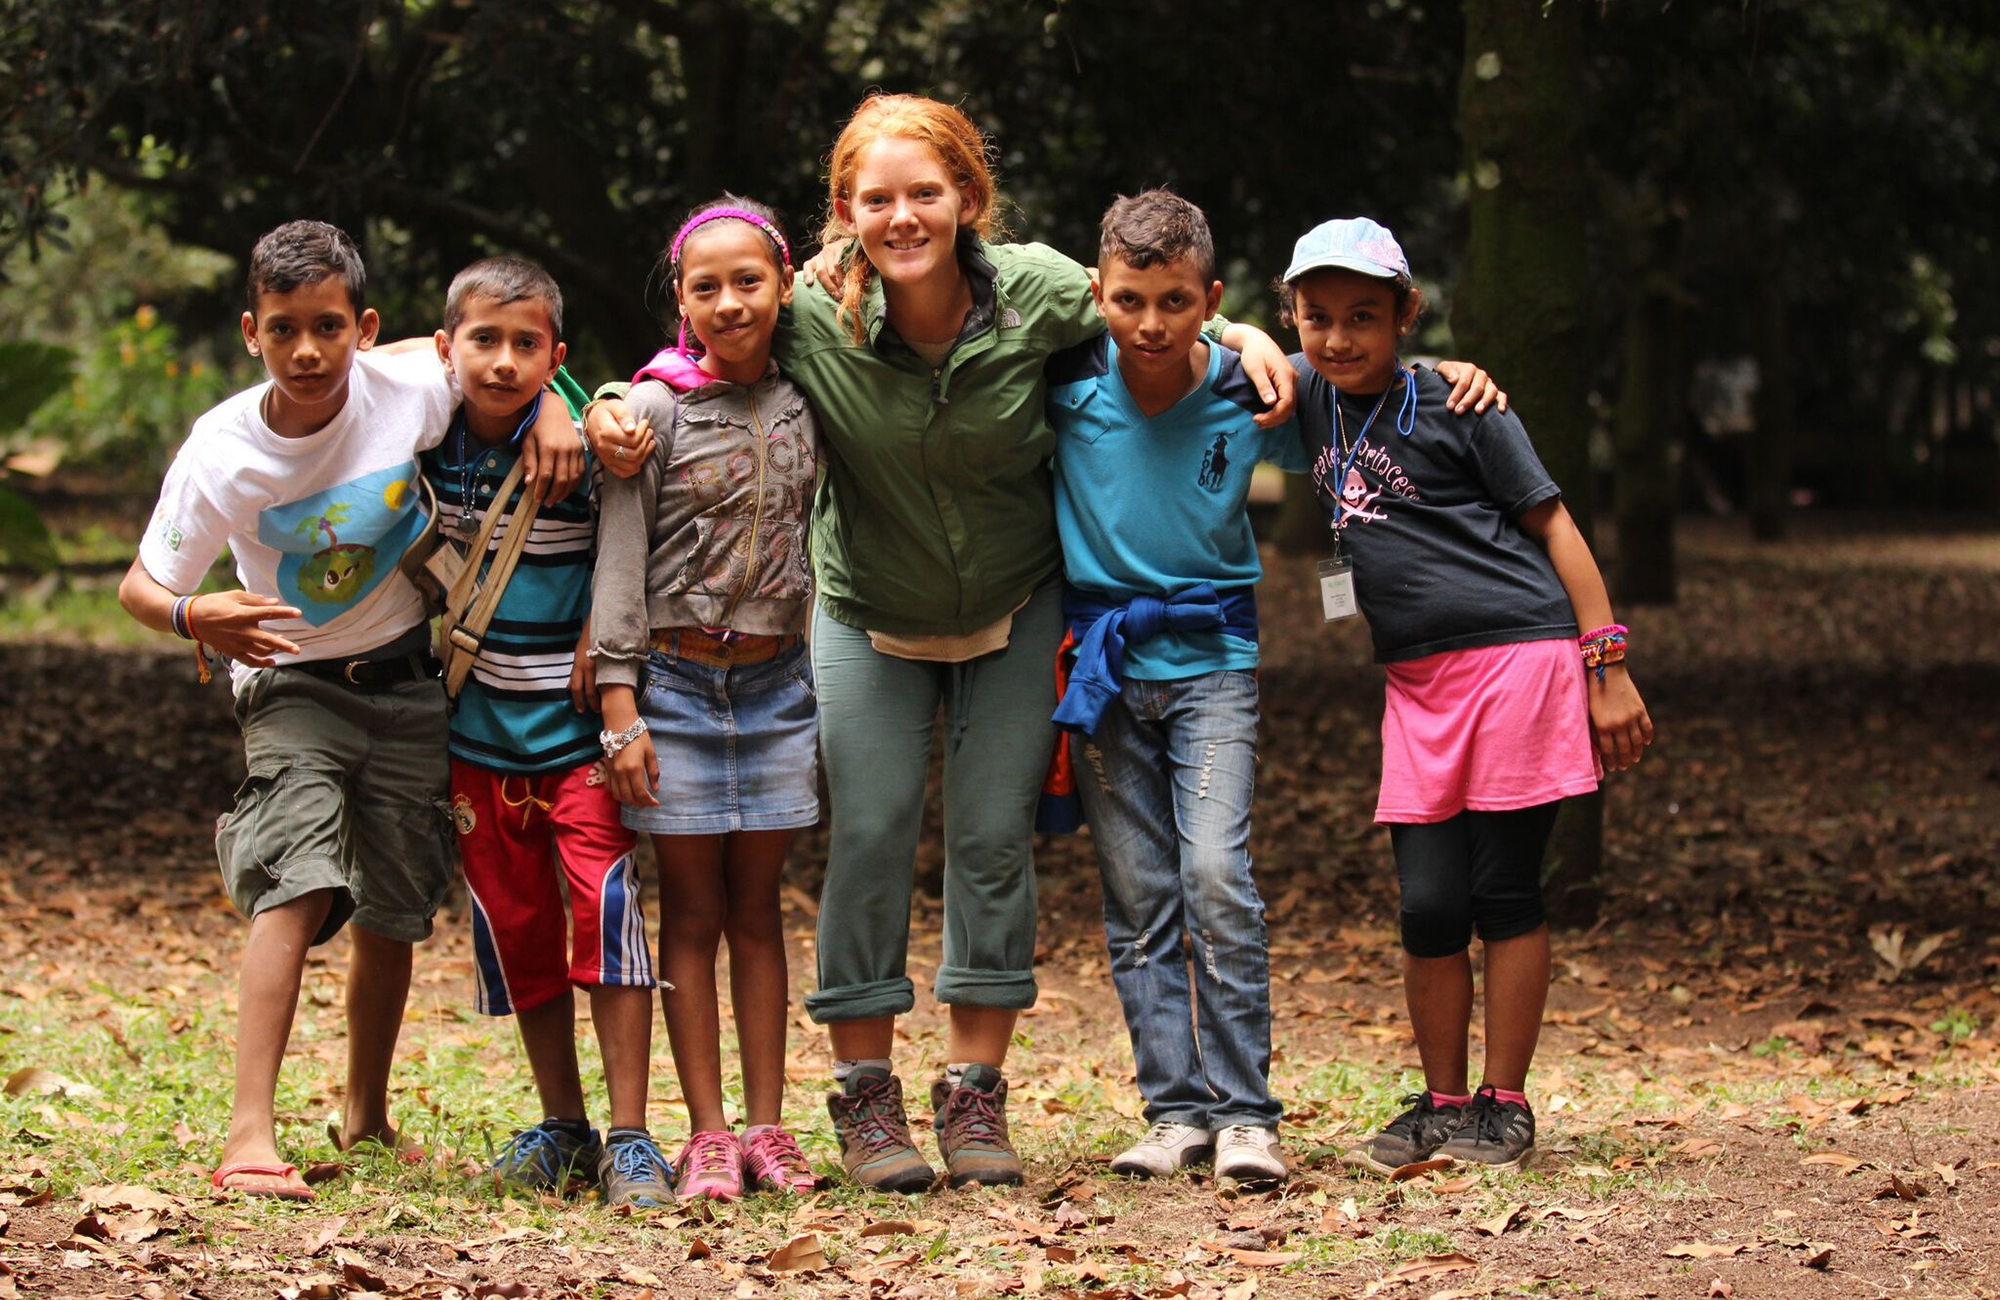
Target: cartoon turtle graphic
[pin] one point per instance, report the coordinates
(335, 574)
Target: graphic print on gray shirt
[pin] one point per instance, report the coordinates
(1429, 520)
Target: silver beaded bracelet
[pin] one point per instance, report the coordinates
(613, 741)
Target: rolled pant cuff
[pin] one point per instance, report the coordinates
(1219, 1122)
(869, 1001)
(396, 926)
(1002, 990)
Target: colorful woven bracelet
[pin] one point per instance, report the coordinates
(1609, 629)
(182, 629)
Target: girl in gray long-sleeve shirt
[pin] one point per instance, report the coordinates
(699, 603)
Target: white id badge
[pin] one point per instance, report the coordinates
(1336, 590)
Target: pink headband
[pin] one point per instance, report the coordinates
(700, 219)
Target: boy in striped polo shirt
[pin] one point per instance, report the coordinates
(527, 784)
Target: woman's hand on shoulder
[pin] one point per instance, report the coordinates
(1619, 718)
(620, 442)
(1472, 389)
(823, 268)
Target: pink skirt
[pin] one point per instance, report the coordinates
(1490, 729)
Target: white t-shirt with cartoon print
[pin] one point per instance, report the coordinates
(320, 521)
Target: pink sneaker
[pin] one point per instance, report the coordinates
(710, 1165)
(774, 1163)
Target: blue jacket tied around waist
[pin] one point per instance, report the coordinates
(1103, 628)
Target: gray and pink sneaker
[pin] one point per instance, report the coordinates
(710, 1165)
(772, 1162)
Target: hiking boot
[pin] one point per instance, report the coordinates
(548, 1157)
(711, 1165)
(971, 1124)
(1411, 1138)
(633, 1172)
(1249, 1154)
(773, 1162)
(1166, 1147)
(874, 1131)
(1497, 1134)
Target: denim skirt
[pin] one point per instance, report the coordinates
(738, 747)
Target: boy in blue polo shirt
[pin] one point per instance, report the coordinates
(1156, 438)
(527, 782)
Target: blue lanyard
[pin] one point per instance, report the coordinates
(1406, 420)
(468, 462)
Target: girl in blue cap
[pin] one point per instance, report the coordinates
(1453, 541)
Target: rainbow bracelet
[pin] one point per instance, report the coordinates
(1603, 647)
(182, 628)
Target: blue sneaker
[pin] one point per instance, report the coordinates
(547, 1157)
(633, 1172)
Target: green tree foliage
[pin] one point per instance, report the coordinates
(576, 133)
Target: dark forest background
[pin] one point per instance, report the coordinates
(1727, 257)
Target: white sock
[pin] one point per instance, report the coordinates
(841, 1069)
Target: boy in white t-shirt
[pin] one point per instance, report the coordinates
(310, 481)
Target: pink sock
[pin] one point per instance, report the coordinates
(1446, 1099)
(1511, 1098)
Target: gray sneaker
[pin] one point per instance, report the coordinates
(547, 1157)
(1411, 1138)
(1166, 1147)
(1250, 1154)
(634, 1172)
(1497, 1134)
(874, 1132)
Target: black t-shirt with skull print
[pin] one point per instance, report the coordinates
(1428, 519)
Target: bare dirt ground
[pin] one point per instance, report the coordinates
(1769, 1069)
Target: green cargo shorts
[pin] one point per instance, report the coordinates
(345, 791)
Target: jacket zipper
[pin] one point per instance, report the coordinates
(757, 513)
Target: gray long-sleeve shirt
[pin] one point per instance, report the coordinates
(711, 533)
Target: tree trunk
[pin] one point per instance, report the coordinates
(1523, 306)
(1301, 528)
(1777, 417)
(1652, 411)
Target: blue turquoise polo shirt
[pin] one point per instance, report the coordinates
(1150, 506)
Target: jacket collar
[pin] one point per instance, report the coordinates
(980, 274)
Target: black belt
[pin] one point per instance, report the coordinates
(376, 674)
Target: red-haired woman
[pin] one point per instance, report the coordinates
(938, 570)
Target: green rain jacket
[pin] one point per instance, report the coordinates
(937, 513)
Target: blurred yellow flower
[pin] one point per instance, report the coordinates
(145, 316)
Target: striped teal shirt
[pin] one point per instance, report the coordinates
(514, 713)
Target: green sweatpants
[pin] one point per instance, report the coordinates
(877, 717)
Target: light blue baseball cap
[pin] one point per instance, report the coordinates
(1353, 244)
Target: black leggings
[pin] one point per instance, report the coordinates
(1478, 868)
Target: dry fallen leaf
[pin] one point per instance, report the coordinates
(1431, 1266)
(130, 1229)
(1500, 1222)
(1820, 1259)
(128, 1196)
(34, 1079)
(889, 1228)
(1418, 1170)
(803, 1253)
(1719, 1289)
(1845, 1163)
(1703, 1250)
(1254, 1258)
(1902, 1191)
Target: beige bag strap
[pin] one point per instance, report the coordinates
(470, 605)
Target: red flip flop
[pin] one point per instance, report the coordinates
(219, 1180)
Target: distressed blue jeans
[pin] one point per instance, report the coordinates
(1166, 785)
